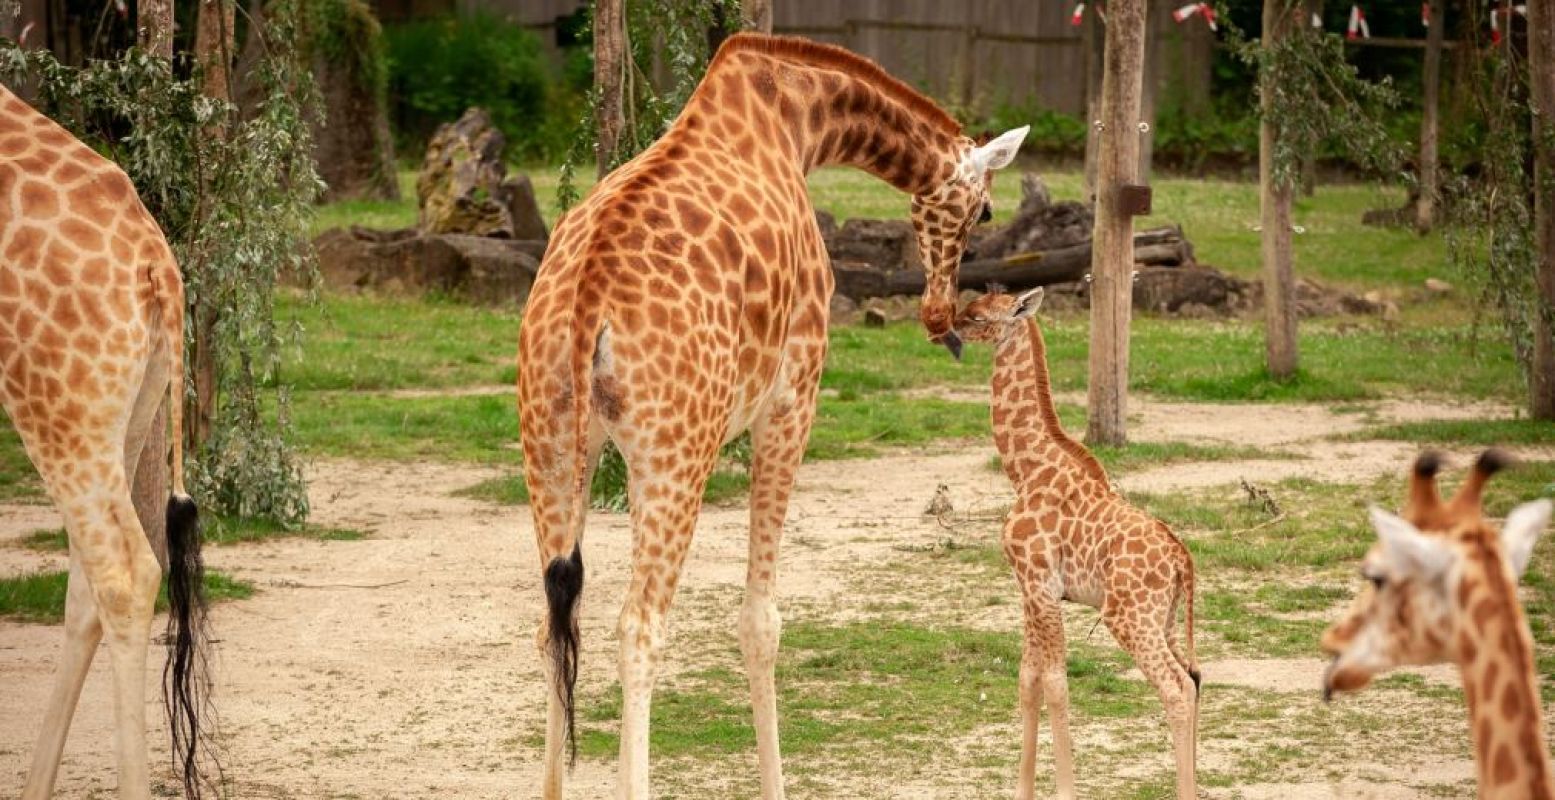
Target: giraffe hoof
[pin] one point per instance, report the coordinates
(952, 343)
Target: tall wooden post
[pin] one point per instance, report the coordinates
(1112, 251)
(1279, 282)
(1092, 44)
(1309, 160)
(1149, 88)
(1425, 207)
(1541, 73)
(609, 64)
(758, 15)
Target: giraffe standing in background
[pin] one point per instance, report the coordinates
(91, 340)
(1071, 537)
(1444, 589)
(685, 301)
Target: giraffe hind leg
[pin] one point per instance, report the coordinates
(83, 632)
(1141, 632)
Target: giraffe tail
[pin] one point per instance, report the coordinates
(564, 575)
(1185, 582)
(186, 680)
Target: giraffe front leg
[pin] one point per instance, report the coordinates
(778, 443)
(1142, 632)
(1031, 714)
(1049, 630)
(83, 631)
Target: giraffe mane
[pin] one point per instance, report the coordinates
(793, 48)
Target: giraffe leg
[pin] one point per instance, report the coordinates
(1044, 617)
(665, 505)
(83, 631)
(1030, 712)
(778, 443)
(552, 490)
(123, 575)
(1140, 630)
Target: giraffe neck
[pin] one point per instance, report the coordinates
(1496, 661)
(778, 104)
(1023, 412)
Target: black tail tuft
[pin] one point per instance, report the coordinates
(185, 681)
(1428, 464)
(1197, 681)
(1494, 460)
(563, 585)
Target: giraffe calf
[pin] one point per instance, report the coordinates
(1071, 537)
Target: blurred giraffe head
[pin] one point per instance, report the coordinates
(996, 315)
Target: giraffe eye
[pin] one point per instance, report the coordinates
(1377, 581)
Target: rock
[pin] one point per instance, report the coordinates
(1034, 194)
(886, 245)
(464, 187)
(478, 269)
(1190, 291)
(1436, 286)
(351, 142)
(843, 310)
(874, 318)
(1039, 224)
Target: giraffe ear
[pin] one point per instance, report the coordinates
(1522, 529)
(998, 153)
(1407, 551)
(1028, 303)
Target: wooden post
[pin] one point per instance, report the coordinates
(1309, 161)
(609, 66)
(155, 21)
(1541, 73)
(1425, 207)
(1092, 33)
(1149, 88)
(1112, 249)
(758, 15)
(968, 66)
(1279, 283)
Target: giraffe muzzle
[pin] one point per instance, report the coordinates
(952, 342)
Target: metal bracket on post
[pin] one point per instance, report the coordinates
(1134, 199)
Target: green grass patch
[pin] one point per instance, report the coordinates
(1144, 455)
(40, 597)
(19, 482)
(722, 486)
(1483, 432)
(216, 531)
(903, 686)
(479, 428)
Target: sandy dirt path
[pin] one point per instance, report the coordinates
(403, 665)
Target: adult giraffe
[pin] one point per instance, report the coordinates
(685, 301)
(91, 341)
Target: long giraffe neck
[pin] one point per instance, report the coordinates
(1496, 661)
(797, 106)
(1023, 411)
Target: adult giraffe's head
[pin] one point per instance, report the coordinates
(1436, 575)
(943, 217)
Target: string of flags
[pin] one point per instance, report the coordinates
(1078, 15)
(1495, 19)
(1358, 29)
(1205, 9)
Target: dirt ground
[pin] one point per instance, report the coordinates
(403, 665)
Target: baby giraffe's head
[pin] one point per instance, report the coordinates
(995, 315)
(1424, 560)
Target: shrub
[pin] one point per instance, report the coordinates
(440, 67)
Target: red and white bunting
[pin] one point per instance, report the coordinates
(1317, 20)
(1358, 29)
(21, 38)
(1495, 19)
(1425, 15)
(1078, 16)
(1183, 13)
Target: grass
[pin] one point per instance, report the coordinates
(40, 597)
(1481, 432)
(217, 531)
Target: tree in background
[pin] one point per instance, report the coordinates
(234, 207)
(1541, 75)
(353, 148)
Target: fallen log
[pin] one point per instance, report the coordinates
(1160, 247)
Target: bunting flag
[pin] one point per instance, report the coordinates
(1425, 15)
(1208, 11)
(1358, 28)
(21, 38)
(1317, 20)
(1078, 16)
(122, 8)
(1495, 19)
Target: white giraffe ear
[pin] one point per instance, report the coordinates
(1407, 551)
(998, 153)
(1028, 303)
(1522, 529)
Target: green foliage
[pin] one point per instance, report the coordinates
(1318, 97)
(439, 68)
(233, 193)
(346, 33)
(1490, 222)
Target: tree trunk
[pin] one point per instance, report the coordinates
(758, 15)
(1092, 45)
(1148, 89)
(1275, 198)
(1541, 71)
(213, 52)
(609, 68)
(155, 21)
(1425, 207)
(1112, 256)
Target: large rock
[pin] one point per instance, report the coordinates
(883, 244)
(1039, 225)
(464, 186)
(478, 269)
